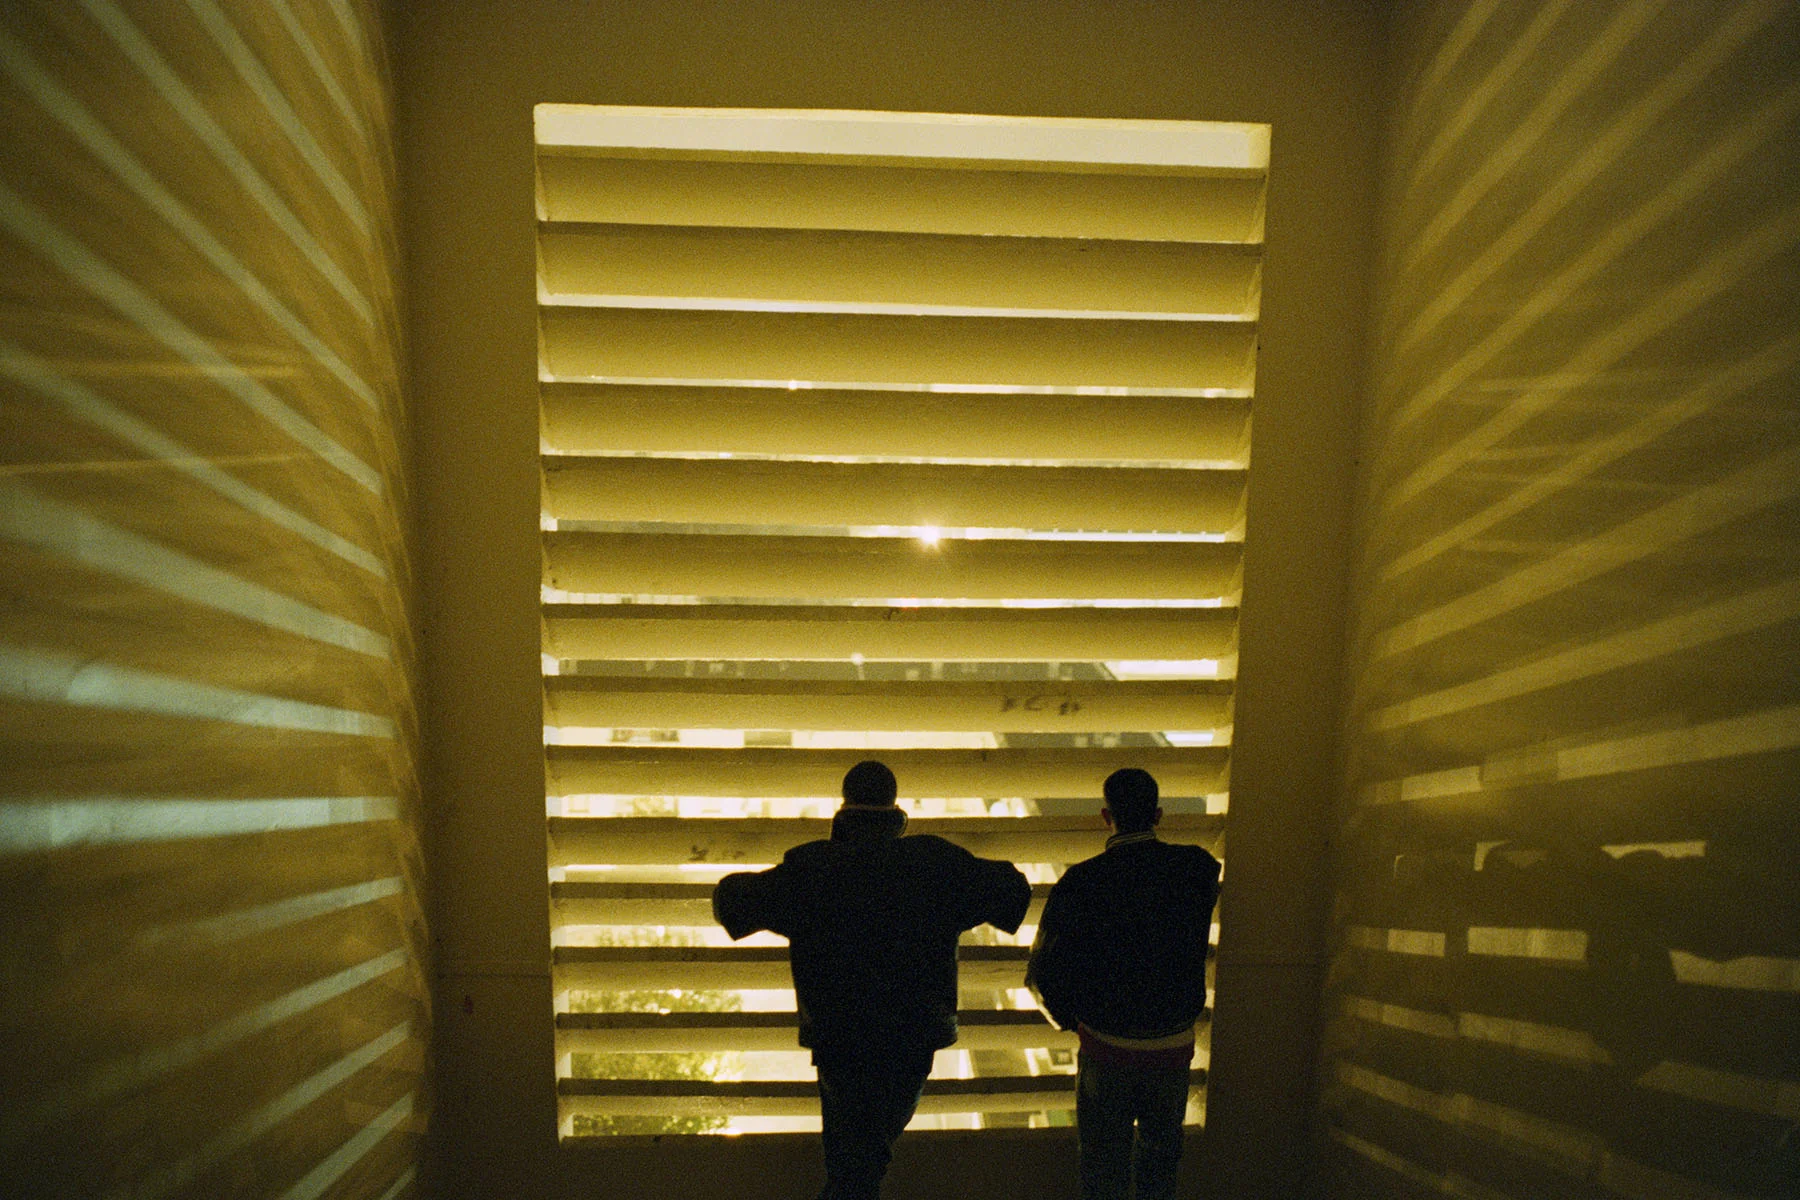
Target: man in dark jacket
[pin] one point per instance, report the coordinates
(1120, 957)
(872, 919)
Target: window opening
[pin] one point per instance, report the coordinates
(917, 434)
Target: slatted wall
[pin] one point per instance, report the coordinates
(1568, 949)
(210, 938)
(884, 435)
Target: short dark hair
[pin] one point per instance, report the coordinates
(870, 782)
(1131, 794)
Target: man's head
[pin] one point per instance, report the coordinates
(871, 783)
(1131, 797)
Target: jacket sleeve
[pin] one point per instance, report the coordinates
(1047, 972)
(1210, 871)
(751, 901)
(998, 893)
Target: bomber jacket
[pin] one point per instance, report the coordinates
(872, 920)
(1121, 947)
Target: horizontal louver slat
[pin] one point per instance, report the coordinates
(708, 967)
(728, 840)
(886, 569)
(730, 492)
(829, 633)
(1007, 772)
(1067, 706)
(990, 1094)
(1192, 208)
(917, 424)
(666, 265)
(1097, 145)
(662, 904)
(626, 345)
(978, 1029)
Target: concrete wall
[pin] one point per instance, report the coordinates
(469, 75)
(1567, 942)
(212, 976)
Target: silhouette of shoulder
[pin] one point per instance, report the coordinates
(912, 844)
(1173, 863)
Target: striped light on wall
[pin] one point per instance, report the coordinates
(212, 980)
(1569, 944)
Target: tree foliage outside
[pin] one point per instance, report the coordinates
(665, 1065)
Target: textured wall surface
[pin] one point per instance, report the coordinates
(1567, 936)
(210, 932)
(469, 75)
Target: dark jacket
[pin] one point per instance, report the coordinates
(1122, 943)
(872, 920)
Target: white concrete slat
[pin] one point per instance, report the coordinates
(994, 1093)
(1028, 772)
(737, 492)
(658, 841)
(1095, 144)
(717, 1032)
(686, 419)
(1219, 207)
(736, 567)
(745, 267)
(590, 903)
(626, 344)
(708, 968)
(824, 633)
(973, 705)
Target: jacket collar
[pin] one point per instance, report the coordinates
(1126, 839)
(867, 823)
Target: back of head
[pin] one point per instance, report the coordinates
(870, 783)
(1131, 793)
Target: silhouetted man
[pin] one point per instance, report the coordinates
(1120, 957)
(872, 920)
